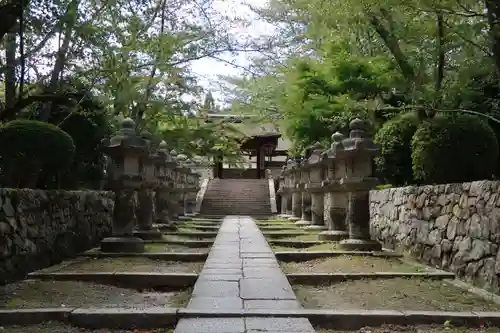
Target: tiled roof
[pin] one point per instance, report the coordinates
(251, 126)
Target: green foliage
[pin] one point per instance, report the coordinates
(322, 97)
(394, 163)
(32, 147)
(456, 148)
(84, 118)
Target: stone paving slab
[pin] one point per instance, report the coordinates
(211, 325)
(287, 325)
(242, 273)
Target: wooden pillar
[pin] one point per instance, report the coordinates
(220, 165)
(260, 161)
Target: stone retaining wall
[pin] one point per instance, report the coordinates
(455, 227)
(39, 228)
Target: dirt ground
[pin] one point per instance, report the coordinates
(319, 247)
(416, 329)
(61, 328)
(392, 294)
(130, 264)
(159, 248)
(50, 294)
(349, 264)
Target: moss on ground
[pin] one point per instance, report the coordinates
(350, 264)
(392, 294)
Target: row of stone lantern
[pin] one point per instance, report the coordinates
(329, 189)
(153, 188)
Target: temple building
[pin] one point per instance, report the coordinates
(263, 148)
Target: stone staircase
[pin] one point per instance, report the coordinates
(237, 197)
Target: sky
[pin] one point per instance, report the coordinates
(207, 69)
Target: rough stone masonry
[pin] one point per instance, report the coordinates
(455, 227)
(39, 228)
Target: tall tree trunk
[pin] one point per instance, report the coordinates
(10, 10)
(493, 7)
(141, 106)
(392, 43)
(440, 61)
(70, 20)
(10, 69)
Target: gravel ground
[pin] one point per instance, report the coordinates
(47, 294)
(349, 264)
(391, 294)
(416, 329)
(129, 264)
(61, 328)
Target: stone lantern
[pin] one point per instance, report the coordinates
(127, 152)
(192, 188)
(289, 186)
(305, 218)
(173, 174)
(358, 151)
(181, 185)
(336, 197)
(316, 173)
(296, 190)
(162, 158)
(146, 196)
(281, 192)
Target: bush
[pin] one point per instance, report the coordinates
(29, 148)
(394, 137)
(457, 148)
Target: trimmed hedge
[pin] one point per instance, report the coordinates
(394, 163)
(30, 147)
(454, 148)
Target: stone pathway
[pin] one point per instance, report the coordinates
(242, 273)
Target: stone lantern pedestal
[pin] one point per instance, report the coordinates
(192, 190)
(295, 190)
(358, 151)
(127, 151)
(313, 187)
(305, 218)
(305, 212)
(358, 215)
(287, 189)
(336, 197)
(162, 162)
(283, 192)
(296, 204)
(146, 198)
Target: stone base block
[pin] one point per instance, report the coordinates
(333, 235)
(284, 216)
(315, 227)
(170, 226)
(293, 218)
(122, 244)
(152, 234)
(303, 222)
(360, 245)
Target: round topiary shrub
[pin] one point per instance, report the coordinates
(394, 137)
(454, 148)
(29, 148)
